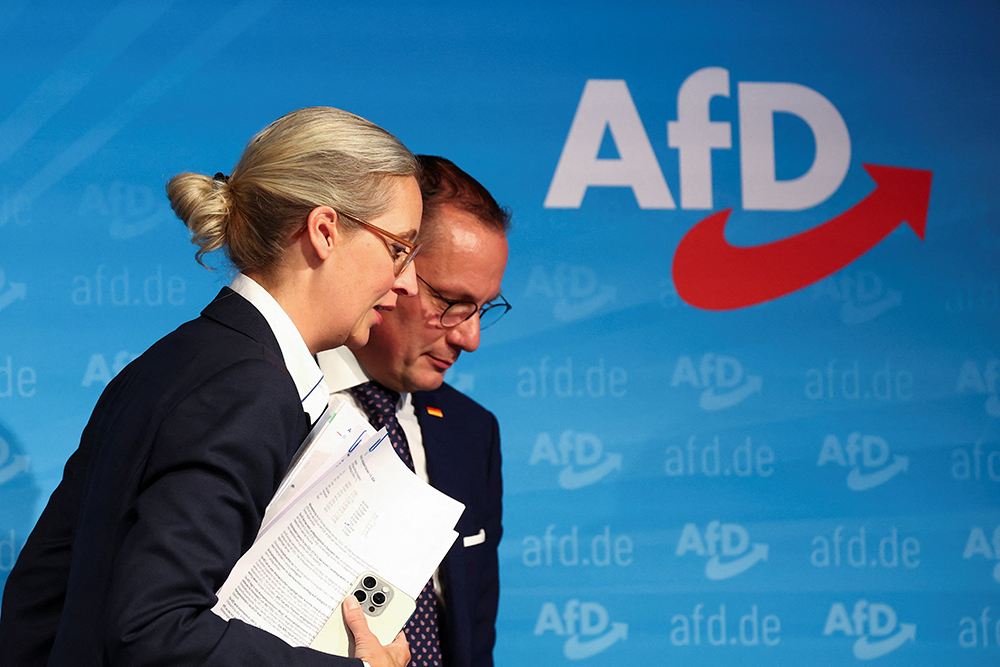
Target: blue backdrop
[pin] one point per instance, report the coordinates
(785, 452)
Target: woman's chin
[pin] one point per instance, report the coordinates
(359, 337)
(362, 330)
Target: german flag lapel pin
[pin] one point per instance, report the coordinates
(435, 412)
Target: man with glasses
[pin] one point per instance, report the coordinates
(454, 443)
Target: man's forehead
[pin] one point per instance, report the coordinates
(455, 230)
(454, 222)
(465, 263)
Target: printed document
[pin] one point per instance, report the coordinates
(348, 505)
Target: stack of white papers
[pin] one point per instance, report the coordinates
(348, 505)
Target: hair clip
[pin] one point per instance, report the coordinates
(219, 176)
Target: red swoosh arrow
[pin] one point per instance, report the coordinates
(710, 273)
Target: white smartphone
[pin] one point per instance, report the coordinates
(387, 609)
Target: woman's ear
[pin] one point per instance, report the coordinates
(322, 230)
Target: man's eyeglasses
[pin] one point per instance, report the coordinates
(401, 250)
(457, 312)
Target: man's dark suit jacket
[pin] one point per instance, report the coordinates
(167, 489)
(463, 460)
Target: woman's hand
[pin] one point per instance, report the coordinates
(366, 644)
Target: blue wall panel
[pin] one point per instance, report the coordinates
(808, 479)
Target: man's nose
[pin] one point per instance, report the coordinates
(406, 282)
(466, 334)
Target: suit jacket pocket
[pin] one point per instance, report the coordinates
(473, 540)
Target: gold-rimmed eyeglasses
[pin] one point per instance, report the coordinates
(400, 250)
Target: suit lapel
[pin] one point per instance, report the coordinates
(444, 477)
(440, 442)
(233, 311)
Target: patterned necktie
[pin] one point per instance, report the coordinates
(422, 633)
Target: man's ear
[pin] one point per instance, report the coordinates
(322, 230)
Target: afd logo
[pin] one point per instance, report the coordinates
(130, 209)
(973, 635)
(873, 469)
(580, 455)
(861, 295)
(576, 290)
(977, 545)
(11, 466)
(875, 625)
(721, 379)
(14, 208)
(100, 372)
(972, 463)
(982, 380)
(727, 547)
(708, 272)
(11, 292)
(17, 380)
(586, 625)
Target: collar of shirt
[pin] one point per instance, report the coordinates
(301, 366)
(342, 371)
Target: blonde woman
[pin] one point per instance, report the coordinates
(188, 443)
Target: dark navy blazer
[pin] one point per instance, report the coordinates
(167, 489)
(463, 460)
